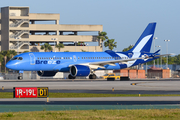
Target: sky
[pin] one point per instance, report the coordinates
(123, 20)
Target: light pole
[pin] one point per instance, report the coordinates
(167, 52)
(154, 48)
(161, 56)
(54, 43)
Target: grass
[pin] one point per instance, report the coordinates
(75, 95)
(150, 114)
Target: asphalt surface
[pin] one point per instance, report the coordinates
(93, 101)
(108, 91)
(167, 85)
(153, 86)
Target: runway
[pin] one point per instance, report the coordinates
(100, 103)
(93, 101)
(167, 86)
(109, 91)
(141, 85)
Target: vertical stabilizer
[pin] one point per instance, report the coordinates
(145, 41)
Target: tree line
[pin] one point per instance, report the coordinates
(102, 36)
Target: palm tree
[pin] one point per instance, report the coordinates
(46, 47)
(83, 50)
(1, 60)
(110, 44)
(26, 51)
(102, 36)
(12, 53)
(128, 48)
(59, 46)
(6, 55)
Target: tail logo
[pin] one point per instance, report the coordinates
(145, 56)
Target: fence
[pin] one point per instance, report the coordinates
(34, 76)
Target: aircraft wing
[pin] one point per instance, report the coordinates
(111, 62)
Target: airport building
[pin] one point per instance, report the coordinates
(23, 31)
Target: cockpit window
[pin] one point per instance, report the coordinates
(17, 58)
(20, 58)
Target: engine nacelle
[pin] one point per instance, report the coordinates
(79, 70)
(46, 73)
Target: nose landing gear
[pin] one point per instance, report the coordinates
(19, 77)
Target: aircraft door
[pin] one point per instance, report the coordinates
(74, 58)
(32, 58)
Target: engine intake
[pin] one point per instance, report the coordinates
(79, 70)
(46, 73)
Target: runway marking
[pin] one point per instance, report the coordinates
(138, 84)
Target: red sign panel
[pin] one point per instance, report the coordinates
(25, 92)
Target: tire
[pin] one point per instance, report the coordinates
(19, 77)
(92, 76)
(71, 77)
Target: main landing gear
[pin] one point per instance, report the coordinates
(92, 76)
(71, 77)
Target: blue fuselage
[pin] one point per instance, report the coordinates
(60, 61)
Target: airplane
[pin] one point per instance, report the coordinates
(86, 63)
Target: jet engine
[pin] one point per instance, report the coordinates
(80, 70)
(46, 73)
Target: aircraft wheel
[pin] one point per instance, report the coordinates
(71, 77)
(19, 77)
(92, 76)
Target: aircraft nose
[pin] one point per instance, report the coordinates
(9, 65)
